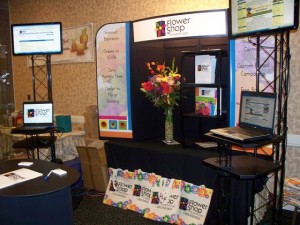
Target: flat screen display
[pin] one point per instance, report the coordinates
(37, 38)
(256, 17)
(258, 109)
(37, 113)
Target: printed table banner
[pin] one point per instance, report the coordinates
(158, 198)
(119, 188)
(194, 204)
(142, 187)
(164, 202)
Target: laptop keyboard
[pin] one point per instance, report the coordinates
(248, 131)
(36, 128)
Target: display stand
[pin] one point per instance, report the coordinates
(244, 168)
(42, 91)
(281, 56)
(41, 78)
(248, 167)
(211, 78)
(35, 141)
(226, 164)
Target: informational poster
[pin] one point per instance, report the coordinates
(113, 80)
(245, 67)
(78, 45)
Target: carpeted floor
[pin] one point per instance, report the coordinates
(91, 211)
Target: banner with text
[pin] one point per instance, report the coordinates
(245, 67)
(113, 80)
(205, 23)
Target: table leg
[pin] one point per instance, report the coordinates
(252, 202)
(225, 189)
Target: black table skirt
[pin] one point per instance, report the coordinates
(174, 161)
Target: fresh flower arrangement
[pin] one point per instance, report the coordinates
(163, 85)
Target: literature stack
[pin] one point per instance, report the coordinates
(291, 192)
(206, 101)
(205, 68)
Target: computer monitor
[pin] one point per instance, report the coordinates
(37, 38)
(250, 18)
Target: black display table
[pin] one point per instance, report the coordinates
(247, 168)
(35, 140)
(174, 161)
(244, 167)
(38, 201)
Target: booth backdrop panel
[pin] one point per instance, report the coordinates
(124, 112)
(181, 163)
(148, 120)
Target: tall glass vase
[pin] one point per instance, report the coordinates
(169, 125)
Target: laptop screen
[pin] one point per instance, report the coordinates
(257, 110)
(38, 113)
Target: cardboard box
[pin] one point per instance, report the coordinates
(91, 127)
(98, 144)
(91, 109)
(94, 167)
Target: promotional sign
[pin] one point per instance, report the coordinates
(164, 201)
(119, 188)
(143, 183)
(158, 198)
(206, 23)
(113, 80)
(245, 68)
(194, 203)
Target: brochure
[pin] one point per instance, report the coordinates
(206, 101)
(17, 176)
(205, 67)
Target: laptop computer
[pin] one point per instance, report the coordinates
(256, 118)
(37, 116)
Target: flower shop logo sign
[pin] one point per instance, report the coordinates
(191, 205)
(37, 112)
(172, 27)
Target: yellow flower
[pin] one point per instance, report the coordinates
(164, 79)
